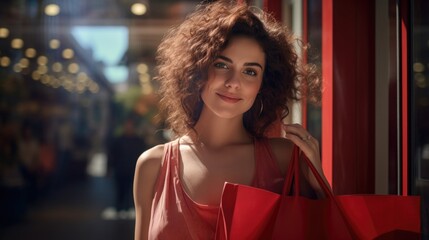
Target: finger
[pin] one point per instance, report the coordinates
(298, 130)
(308, 149)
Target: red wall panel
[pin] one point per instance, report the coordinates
(348, 107)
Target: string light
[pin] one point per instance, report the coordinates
(17, 43)
(4, 32)
(36, 75)
(4, 61)
(68, 53)
(418, 67)
(24, 62)
(42, 60)
(147, 89)
(83, 82)
(144, 78)
(54, 43)
(142, 68)
(42, 69)
(45, 79)
(57, 67)
(30, 52)
(73, 68)
(17, 68)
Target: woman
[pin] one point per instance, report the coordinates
(226, 74)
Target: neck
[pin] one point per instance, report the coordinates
(215, 132)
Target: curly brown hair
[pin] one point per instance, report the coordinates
(187, 51)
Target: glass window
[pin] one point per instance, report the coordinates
(419, 107)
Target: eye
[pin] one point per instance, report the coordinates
(250, 72)
(220, 65)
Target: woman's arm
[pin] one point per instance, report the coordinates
(282, 150)
(310, 147)
(145, 176)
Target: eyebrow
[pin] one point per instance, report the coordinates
(246, 64)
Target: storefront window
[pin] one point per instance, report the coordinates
(419, 107)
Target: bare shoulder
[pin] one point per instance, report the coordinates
(150, 158)
(282, 150)
(145, 177)
(146, 172)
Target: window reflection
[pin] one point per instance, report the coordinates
(419, 110)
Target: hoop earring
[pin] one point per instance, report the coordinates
(262, 107)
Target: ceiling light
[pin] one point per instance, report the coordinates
(52, 9)
(138, 9)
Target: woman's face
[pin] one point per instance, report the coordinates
(234, 78)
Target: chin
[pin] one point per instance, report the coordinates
(230, 114)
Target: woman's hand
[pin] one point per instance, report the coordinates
(307, 143)
(310, 147)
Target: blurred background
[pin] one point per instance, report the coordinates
(77, 107)
(78, 100)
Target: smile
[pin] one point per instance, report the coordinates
(229, 99)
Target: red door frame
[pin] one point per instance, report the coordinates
(348, 67)
(348, 70)
(347, 122)
(327, 96)
(404, 21)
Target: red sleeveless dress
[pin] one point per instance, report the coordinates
(175, 215)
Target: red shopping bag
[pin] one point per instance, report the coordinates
(344, 217)
(383, 216)
(246, 213)
(252, 213)
(303, 218)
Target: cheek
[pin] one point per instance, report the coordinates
(204, 91)
(255, 88)
(214, 80)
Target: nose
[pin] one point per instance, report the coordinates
(233, 80)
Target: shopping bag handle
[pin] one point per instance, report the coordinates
(293, 174)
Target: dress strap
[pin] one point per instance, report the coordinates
(268, 175)
(264, 153)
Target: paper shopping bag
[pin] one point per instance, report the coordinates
(251, 213)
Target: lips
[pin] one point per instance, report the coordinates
(228, 98)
